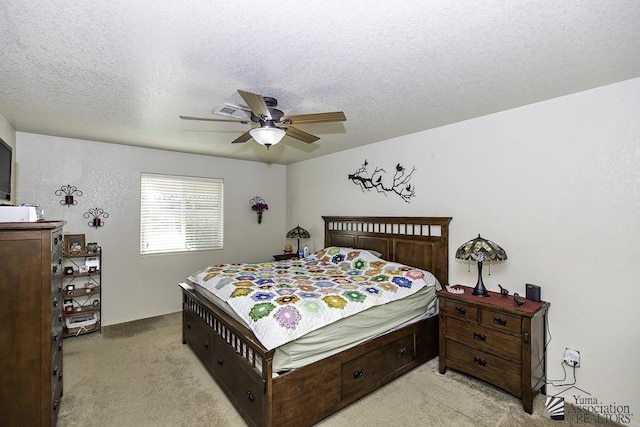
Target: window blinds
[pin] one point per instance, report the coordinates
(180, 213)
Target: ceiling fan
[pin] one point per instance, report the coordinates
(273, 123)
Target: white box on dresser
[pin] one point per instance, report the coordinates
(18, 214)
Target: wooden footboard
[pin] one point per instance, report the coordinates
(243, 368)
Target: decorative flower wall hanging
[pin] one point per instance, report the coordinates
(258, 205)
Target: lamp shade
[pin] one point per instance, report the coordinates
(481, 250)
(267, 135)
(298, 233)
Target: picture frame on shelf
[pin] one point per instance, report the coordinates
(74, 243)
(83, 268)
(93, 264)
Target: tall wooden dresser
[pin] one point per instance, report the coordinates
(30, 322)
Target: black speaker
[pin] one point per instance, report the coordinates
(533, 292)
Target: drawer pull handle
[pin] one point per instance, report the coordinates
(404, 351)
(250, 396)
(54, 337)
(55, 301)
(479, 337)
(499, 321)
(220, 361)
(461, 310)
(55, 405)
(55, 371)
(206, 345)
(54, 268)
(358, 374)
(479, 361)
(188, 325)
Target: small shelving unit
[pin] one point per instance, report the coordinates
(82, 292)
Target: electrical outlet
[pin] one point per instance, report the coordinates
(572, 357)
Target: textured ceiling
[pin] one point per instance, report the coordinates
(122, 71)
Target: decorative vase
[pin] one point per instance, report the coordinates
(259, 217)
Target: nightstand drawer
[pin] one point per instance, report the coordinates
(501, 321)
(500, 344)
(487, 367)
(461, 311)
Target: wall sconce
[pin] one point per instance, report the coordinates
(68, 191)
(95, 214)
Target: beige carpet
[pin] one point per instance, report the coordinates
(140, 374)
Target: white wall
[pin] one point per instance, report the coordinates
(556, 184)
(8, 135)
(138, 286)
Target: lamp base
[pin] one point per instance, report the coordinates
(480, 290)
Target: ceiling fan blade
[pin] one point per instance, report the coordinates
(335, 116)
(242, 138)
(301, 135)
(246, 122)
(256, 103)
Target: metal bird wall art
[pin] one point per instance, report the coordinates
(381, 182)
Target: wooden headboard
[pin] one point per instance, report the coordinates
(421, 242)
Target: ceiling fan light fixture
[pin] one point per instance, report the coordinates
(267, 135)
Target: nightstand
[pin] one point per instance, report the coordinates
(493, 340)
(282, 257)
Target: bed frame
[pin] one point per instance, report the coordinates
(242, 367)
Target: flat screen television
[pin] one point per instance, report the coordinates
(6, 155)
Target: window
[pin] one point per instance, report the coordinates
(180, 213)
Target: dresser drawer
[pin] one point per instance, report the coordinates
(485, 339)
(461, 310)
(495, 370)
(501, 321)
(56, 370)
(56, 341)
(55, 402)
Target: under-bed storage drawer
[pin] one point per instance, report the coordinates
(369, 370)
(242, 385)
(199, 337)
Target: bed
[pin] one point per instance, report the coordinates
(269, 386)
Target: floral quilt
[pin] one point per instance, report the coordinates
(281, 301)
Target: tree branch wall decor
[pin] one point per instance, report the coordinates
(399, 185)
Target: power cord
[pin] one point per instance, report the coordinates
(551, 382)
